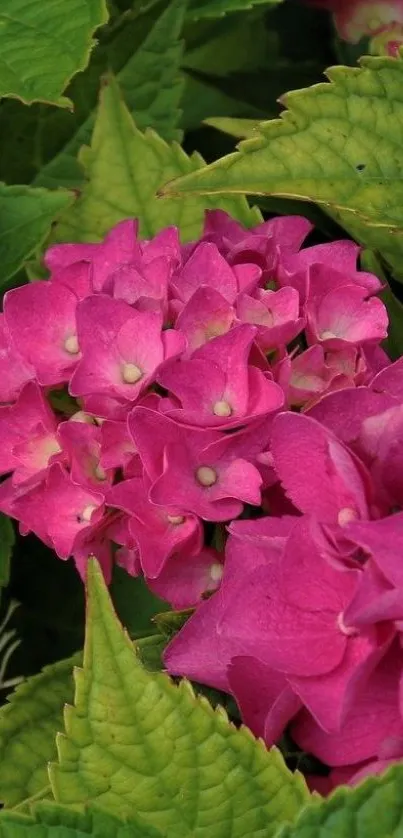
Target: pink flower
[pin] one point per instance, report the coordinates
(119, 247)
(28, 435)
(345, 315)
(217, 387)
(41, 319)
(60, 508)
(276, 313)
(81, 444)
(158, 531)
(205, 316)
(122, 349)
(185, 579)
(381, 20)
(198, 471)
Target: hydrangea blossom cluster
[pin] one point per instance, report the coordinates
(379, 20)
(153, 393)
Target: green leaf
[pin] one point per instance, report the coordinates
(199, 9)
(372, 809)
(135, 604)
(202, 99)
(150, 81)
(28, 726)
(43, 44)
(135, 742)
(50, 820)
(152, 86)
(26, 216)
(339, 145)
(125, 168)
(170, 622)
(7, 540)
(234, 126)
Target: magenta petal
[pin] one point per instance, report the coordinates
(344, 412)
(329, 697)
(260, 692)
(14, 370)
(206, 266)
(185, 578)
(206, 315)
(199, 651)
(318, 473)
(373, 719)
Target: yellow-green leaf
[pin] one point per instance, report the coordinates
(125, 169)
(137, 743)
(339, 144)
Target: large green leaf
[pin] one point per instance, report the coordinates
(339, 145)
(135, 742)
(151, 84)
(217, 8)
(43, 44)
(125, 168)
(26, 216)
(7, 539)
(372, 810)
(49, 820)
(28, 726)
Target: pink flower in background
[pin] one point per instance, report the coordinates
(379, 20)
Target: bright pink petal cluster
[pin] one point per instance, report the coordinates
(307, 627)
(149, 393)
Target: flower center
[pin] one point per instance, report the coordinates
(86, 514)
(100, 472)
(82, 416)
(349, 631)
(71, 345)
(222, 408)
(176, 520)
(131, 373)
(206, 476)
(326, 335)
(346, 515)
(216, 571)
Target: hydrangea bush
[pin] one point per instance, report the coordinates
(201, 421)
